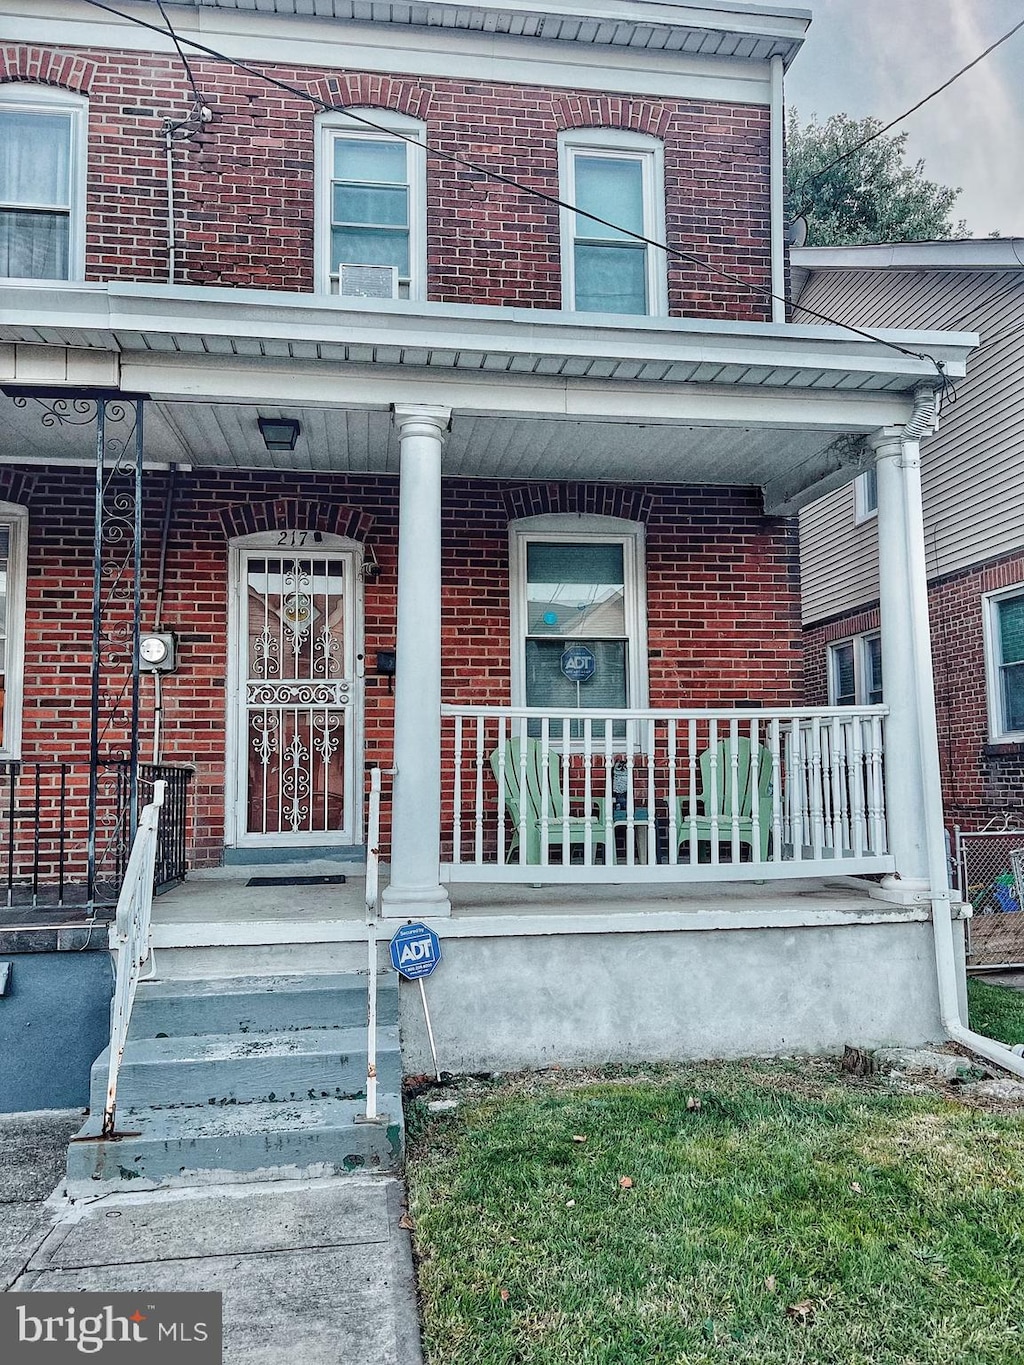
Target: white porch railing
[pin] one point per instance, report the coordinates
(131, 929)
(531, 795)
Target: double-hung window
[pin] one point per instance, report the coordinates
(1004, 639)
(855, 671)
(617, 177)
(371, 197)
(579, 636)
(42, 148)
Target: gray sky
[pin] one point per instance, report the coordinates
(878, 57)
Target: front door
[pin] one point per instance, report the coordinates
(296, 694)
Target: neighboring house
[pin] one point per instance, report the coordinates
(441, 477)
(972, 480)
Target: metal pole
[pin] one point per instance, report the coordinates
(430, 1031)
(97, 606)
(371, 1020)
(133, 795)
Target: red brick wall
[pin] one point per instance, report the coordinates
(721, 591)
(980, 781)
(245, 182)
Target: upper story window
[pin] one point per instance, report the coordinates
(371, 203)
(618, 176)
(42, 183)
(855, 671)
(1004, 641)
(13, 537)
(865, 495)
(578, 582)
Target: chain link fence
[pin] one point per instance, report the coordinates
(992, 880)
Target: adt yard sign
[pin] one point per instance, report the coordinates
(578, 663)
(415, 951)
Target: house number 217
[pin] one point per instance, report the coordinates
(292, 537)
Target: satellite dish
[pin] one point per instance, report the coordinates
(796, 233)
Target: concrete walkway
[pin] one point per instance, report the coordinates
(311, 1272)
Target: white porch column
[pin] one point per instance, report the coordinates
(912, 779)
(415, 888)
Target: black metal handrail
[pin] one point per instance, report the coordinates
(44, 829)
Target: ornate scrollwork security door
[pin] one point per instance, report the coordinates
(298, 704)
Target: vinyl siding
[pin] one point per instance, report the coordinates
(972, 469)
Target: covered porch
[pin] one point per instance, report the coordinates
(702, 777)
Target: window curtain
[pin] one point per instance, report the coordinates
(34, 178)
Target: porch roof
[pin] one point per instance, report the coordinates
(535, 393)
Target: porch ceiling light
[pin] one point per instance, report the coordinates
(279, 433)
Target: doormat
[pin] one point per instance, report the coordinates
(333, 880)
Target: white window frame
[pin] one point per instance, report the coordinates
(16, 518)
(564, 528)
(863, 506)
(620, 144)
(332, 126)
(998, 733)
(861, 668)
(42, 99)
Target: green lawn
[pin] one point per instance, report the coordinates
(794, 1216)
(997, 1012)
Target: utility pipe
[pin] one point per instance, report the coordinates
(925, 406)
(777, 175)
(169, 142)
(158, 688)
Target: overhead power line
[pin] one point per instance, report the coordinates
(675, 253)
(880, 132)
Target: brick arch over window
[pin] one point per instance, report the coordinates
(295, 514)
(43, 66)
(16, 487)
(611, 111)
(592, 499)
(367, 92)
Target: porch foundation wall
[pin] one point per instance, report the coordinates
(54, 1023)
(510, 1003)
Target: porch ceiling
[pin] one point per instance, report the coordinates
(534, 393)
(226, 436)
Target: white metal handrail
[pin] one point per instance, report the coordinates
(132, 935)
(673, 795)
(372, 914)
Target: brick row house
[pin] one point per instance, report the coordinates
(444, 466)
(974, 543)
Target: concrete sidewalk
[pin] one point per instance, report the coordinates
(311, 1272)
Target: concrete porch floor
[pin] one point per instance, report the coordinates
(222, 895)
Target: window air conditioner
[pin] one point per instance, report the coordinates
(368, 281)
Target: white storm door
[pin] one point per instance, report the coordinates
(298, 698)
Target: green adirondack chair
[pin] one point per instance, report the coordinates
(753, 769)
(526, 803)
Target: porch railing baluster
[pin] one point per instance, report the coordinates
(457, 795)
(751, 792)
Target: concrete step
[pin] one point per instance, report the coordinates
(183, 963)
(232, 1142)
(259, 1004)
(208, 1068)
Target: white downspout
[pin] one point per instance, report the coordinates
(777, 173)
(922, 422)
